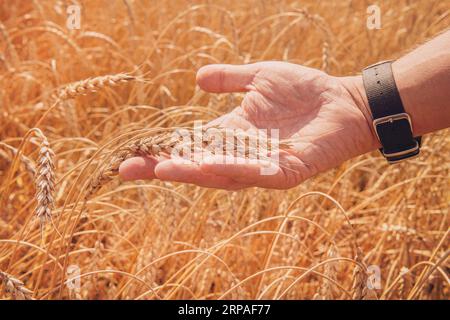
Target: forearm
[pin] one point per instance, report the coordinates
(423, 80)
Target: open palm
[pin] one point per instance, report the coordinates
(325, 118)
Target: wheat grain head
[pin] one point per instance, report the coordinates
(91, 85)
(15, 287)
(45, 182)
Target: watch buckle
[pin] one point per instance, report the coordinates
(391, 119)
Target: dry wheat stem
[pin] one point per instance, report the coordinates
(15, 287)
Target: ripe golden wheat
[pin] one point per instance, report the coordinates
(165, 240)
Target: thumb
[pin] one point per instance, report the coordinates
(219, 78)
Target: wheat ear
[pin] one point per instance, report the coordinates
(28, 163)
(15, 287)
(151, 146)
(45, 182)
(327, 290)
(145, 146)
(90, 85)
(359, 286)
(325, 56)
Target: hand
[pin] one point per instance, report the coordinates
(327, 118)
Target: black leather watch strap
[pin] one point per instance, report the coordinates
(392, 125)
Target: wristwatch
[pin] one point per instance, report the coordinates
(392, 124)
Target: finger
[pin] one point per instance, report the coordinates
(189, 172)
(258, 173)
(226, 78)
(138, 168)
(286, 174)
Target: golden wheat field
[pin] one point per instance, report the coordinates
(69, 98)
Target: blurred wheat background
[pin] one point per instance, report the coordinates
(324, 239)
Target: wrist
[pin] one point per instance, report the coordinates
(355, 87)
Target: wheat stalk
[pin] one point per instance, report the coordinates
(91, 85)
(15, 287)
(45, 182)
